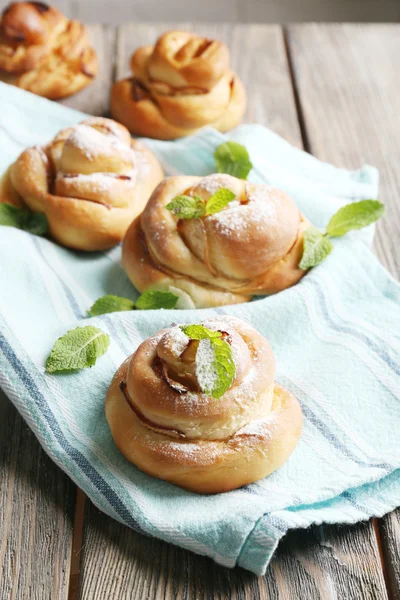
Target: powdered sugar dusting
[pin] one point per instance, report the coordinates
(93, 143)
(176, 340)
(140, 162)
(207, 375)
(102, 182)
(213, 183)
(259, 212)
(258, 428)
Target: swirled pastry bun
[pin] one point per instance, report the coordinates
(44, 52)
(163, 423)
(252, 247)
(179, 85)
(91, 181)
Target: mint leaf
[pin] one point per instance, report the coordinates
(316, 248)
(77, 349)
(109, 304)
(198, 332)
(355, 216)
(218, 201)
(215, 367)
(10, 215)
(187, 207)
(156, 299)
(232, 158)
(33, 222)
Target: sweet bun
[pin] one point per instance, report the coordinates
(252, 247)
(179, 85)
(164, 424)
(91, 181)
(44, 52)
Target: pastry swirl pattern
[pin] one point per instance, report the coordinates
(44, 52)
(179, 85)
(91, 181)
(251, 247)
(163, 423)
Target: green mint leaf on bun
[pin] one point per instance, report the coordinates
(218, 201)
(215, 367)
(198, 332)
(232, 158)
(187, 207)
(77, 349)
(193, 207)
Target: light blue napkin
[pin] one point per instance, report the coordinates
(335, 336)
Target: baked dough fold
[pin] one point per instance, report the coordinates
(44, 52)
(252, 247)
(179, 85)
(91, 181)
(164, 424)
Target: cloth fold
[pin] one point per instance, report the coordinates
(335, 335)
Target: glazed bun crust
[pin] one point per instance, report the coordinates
(183, 436)
(44, 52)
(91, 181)
(179, 85)
(252, 247)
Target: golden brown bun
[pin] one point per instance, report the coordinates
(179, 85)
(252, 247)
(44, 52)
(91, 181)
(163, 424)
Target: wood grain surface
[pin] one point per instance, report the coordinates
(347, 81)
(389, 530)
(339, 113)
(36, 515)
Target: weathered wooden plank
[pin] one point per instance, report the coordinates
(389, 530)
(117, 562)
(258, 55)
(95, 98)
(330, 562)
(348, 78)
(36, 511)
(347, 82)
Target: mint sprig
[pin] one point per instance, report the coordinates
(215, 367)
(232, 158)
(194, 207)
(79, 348)
(109, 304)
(33, 222)
(351, 217)
(154, 299)
(149, 300)
(218, 201)
(354, 216)
(187, 207)
(316, 248)
(199, 332)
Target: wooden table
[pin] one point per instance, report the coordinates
(333, 90)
